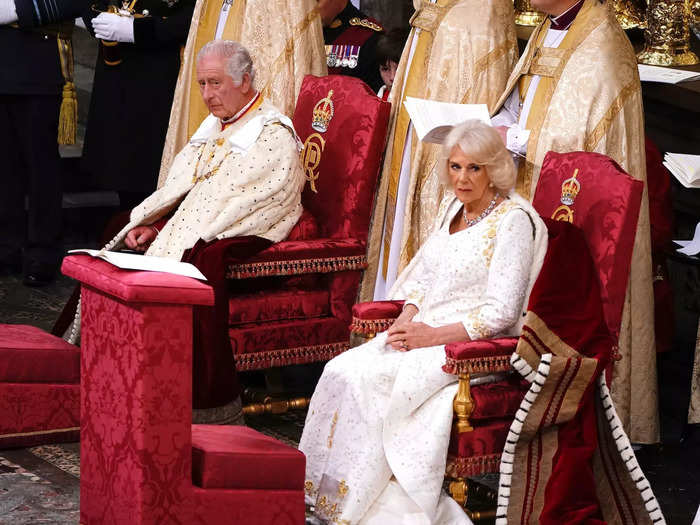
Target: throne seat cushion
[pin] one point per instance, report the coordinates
(499, 399)
(305, 228)
(279, 305)
(264, 345)
(237, 457)
(30, 355)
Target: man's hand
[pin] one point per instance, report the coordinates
(111, 26)
(140, 238)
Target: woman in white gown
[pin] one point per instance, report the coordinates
(378, 427)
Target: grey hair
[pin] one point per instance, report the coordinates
(237, 57)
(484, 145)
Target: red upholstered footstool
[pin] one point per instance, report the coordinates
(263, 475)
(39, 388)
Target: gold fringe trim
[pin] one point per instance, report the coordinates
(39, 432)
(475, 365)
(458, 467)
(370, 326)
(289, 356)
(296, 267)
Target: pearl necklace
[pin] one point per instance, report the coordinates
(475, 220)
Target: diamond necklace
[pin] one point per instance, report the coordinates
(489, 208)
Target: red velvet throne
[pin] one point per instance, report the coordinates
(605, 205)
(142, 461)
(291, 303)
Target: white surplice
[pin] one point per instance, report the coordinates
(378, 413)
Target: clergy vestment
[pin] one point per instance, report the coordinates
(580, 91)
(378, 412)
(285, 41)
(458, 51)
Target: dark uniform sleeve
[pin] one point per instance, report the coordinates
(35, 13)
(153, 31)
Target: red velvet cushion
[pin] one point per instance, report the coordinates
(377, 310)
(502, 346)
(30, 355)
(285, 304)
(137, 286)
(350, 157)
(305, 228)
(235, 457)
(38, 413)
(606, 208)
(499, 399)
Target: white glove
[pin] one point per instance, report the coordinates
(8, 12)
(111, 26)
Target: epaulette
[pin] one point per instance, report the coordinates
(365, 22)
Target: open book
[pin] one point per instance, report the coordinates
(134, 261)
(686, 168)
(666, 75)
(434, 120)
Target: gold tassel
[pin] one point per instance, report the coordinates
(68, 117)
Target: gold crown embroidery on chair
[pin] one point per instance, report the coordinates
(323, 113)
(569, 190)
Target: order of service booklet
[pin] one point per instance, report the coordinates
(135, 261)
(433, 120)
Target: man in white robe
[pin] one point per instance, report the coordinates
(239, 175)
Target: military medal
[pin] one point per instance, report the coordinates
(346, 58)
(354, 55)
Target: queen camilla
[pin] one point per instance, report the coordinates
(378, 427)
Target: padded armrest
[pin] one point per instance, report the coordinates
(485, 355)
(375, 316)
(301, 257)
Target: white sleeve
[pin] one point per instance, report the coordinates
(8, 12)
(509, 274)
(508, 116)
(416, 283)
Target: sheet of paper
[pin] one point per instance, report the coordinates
(686, 168)
(429, 115)
(133, 261)
(691, 247)
(665, 74)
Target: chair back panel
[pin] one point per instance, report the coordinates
(602, 200)
(344, 137)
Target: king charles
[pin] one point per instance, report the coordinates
(238, 176)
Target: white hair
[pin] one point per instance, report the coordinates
(482, 143)
(237, 58)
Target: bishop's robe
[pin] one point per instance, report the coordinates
(459, 51)
(285, 40)
(589, 98)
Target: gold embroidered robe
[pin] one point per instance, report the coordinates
(589, 99)
(285, 40)
(244, 180)
(464, 52)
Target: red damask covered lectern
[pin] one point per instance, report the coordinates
(142, 461)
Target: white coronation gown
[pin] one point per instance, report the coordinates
(378, 413)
